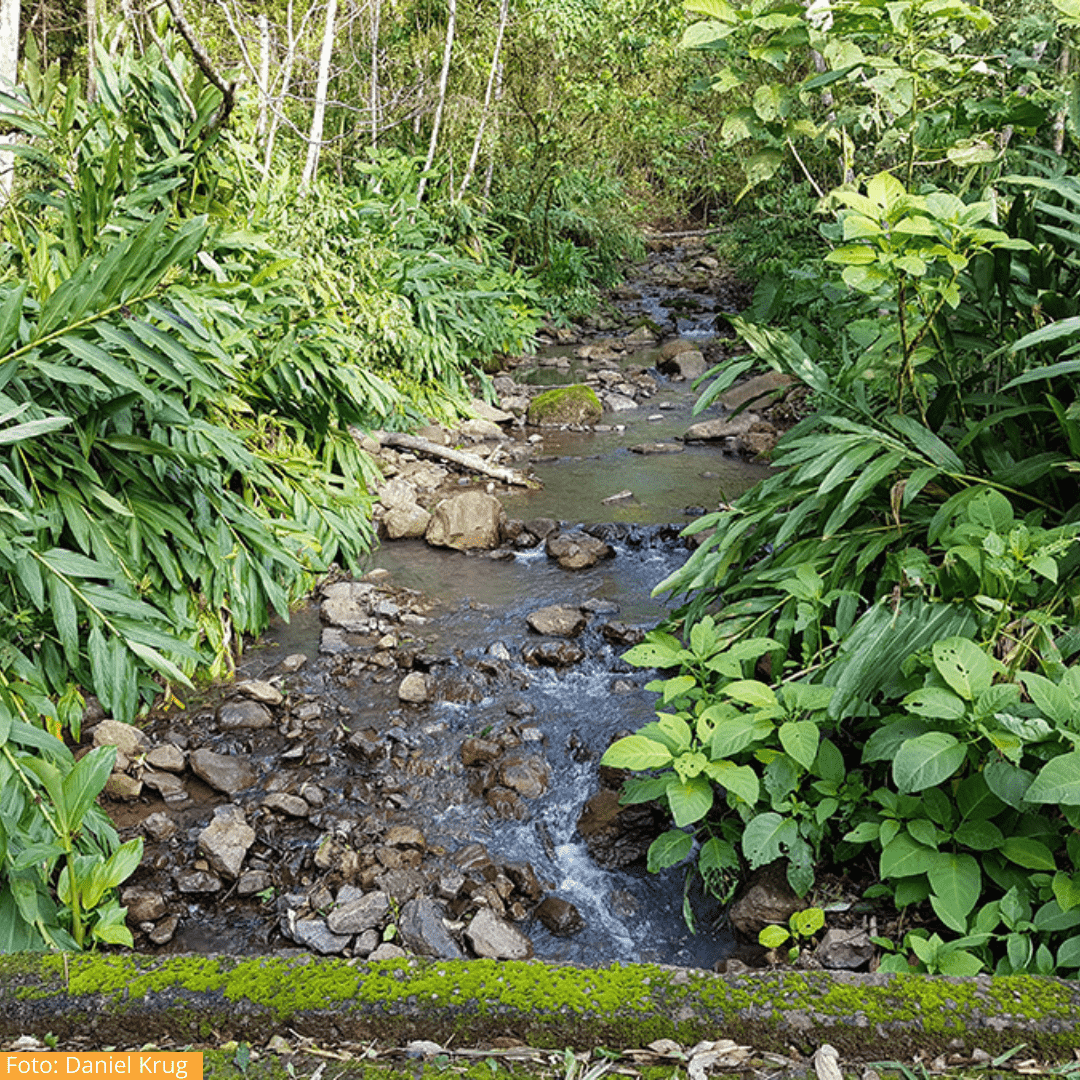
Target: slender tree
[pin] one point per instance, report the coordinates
(318, 116)
(504, 12)
(444, 79)
(9, 75)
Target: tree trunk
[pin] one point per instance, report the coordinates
(91, 48)
(1059, 119)
(264, 75)
(376, 13)
(9, 75)
(319, 115)
(490, 174)
(444, 78)
(286, 82)
(504, 12)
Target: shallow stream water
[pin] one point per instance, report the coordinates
(572, 713)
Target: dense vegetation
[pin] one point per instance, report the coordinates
(235, 237)
(876, 669)
(194, 320)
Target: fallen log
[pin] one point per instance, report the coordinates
(472, 462)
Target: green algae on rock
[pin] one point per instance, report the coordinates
(577, 404)
(125, 998)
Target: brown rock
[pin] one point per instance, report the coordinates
(490, 936)
(767, 899)
(167, 757)
(557, 620)
(244, 715)
(577, 550)
(773, 383)
(465, 522)
(127, 739)
(123, 787)
(528, 776)
(560, 916)
(223, 771)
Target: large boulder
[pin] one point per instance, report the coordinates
(557, 620)
(577, 404)
(466, 521)
(689, 364)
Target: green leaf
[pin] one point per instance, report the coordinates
(740, 780)
(800, 739)
(904, 857)
(927, 760)
(739, 732)
(935, 703)
(85, 782)
(979, 835)
(956, 882)
(1028, 853)
(1058, 781)
(1067, 890)
(636, 752)
(772, 937)
(690, 801)
(963, 665)
(765, 838)
(668, 849)
(808, 922)
(751, 692)
(959, 962)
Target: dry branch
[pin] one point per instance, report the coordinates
(472, 462)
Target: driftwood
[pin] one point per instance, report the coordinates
(472, 462)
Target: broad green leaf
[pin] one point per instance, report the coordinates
(1058, 781)
(905, 857)
(959, 962)
(957, 883)
(636, 752)
(800, 739)
(1028, 853)
(927, 760)
(766, 837)
(737, 733)
(935, 703)
(750, 692)
(85, 782)
(1067, 890)
(964, 666)
(979, 835)
(689, 801)
(740, 780)
(668, 849)
(772, 937)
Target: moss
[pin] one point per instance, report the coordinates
(548, 1006)
(576, 404)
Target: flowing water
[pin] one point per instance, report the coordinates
(570, 714)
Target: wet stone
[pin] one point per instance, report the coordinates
(528, 776)
(557, 621)
(620, 633)
(262, 691)
(525, 880)
(479, 751)
(355, 917)
(401, 884)
(168, 785)
(292, 663)
(252, 882)
(165, 930)
(308, 711)
(222, 771)
(553, 654)
(226, 840)
(347, 605)
(168, 758)
(414, 688)
(657, 448)
(316, 935)
(577, 551)
(367, 745)
(449, 884)
(405, 836)
(424, 932)
(560, 916)
(244, 715)
(143, 905)
(292, 805)
(160, 827)
(126, 738)
(494, 938)
(506, 803)
(123, 787)
(198, 881)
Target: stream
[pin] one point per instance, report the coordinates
(467, 631)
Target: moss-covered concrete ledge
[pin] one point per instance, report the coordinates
(129, 999)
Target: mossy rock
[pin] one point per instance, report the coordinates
(576, 404)
(134, 999)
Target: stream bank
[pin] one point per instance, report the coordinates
(409, 766)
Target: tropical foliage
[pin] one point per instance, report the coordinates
(874, 667)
